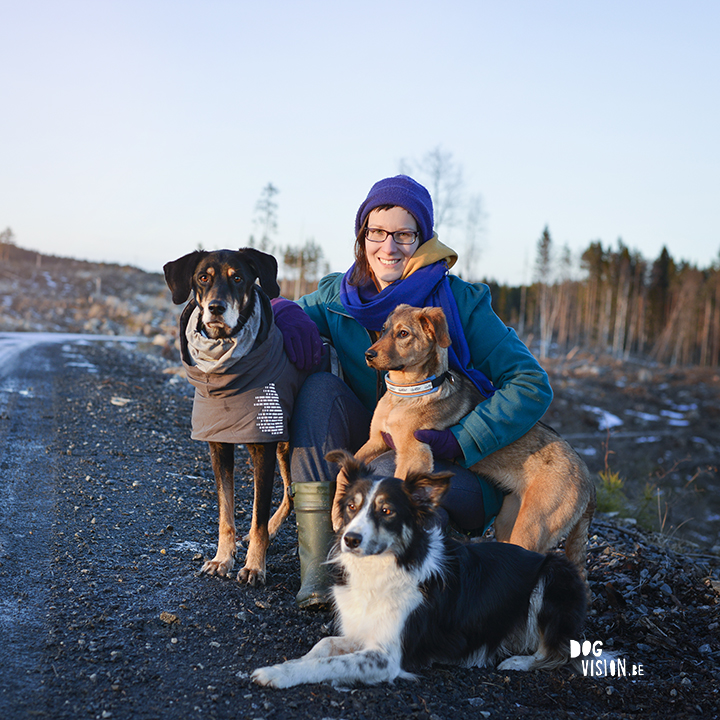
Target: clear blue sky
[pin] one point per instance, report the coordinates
(132, 130)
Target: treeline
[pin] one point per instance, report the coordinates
(623, 305)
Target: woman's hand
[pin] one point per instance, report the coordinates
(443, 443)
(301, 337)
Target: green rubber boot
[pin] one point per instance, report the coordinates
(313, 501)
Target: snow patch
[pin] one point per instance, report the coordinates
(606, 420)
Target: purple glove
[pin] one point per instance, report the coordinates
(301, 337)
(443, 443)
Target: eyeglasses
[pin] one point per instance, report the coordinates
(401, 237)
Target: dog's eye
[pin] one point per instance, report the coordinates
(351, 506)
(203, 278)
(237, 279)
(403, 334)
(387, 511)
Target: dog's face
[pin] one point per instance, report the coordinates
(382, 514)
(223, 286)
(411, 339)
(377, 518)
(222, 283)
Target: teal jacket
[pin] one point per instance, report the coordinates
(523, 391)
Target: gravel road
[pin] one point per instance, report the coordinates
(107, 509)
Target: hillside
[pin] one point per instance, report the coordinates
(47, 293)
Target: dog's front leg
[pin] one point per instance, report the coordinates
(362, 666)
(376, 444)
(373, 448)
(263, 458)
(331, 646)
(411, 455)
(222, 457)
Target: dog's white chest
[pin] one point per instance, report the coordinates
(376, 601)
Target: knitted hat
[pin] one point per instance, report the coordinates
(403, 191)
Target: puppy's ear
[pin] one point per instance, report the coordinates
(427, 489)
(353, 468)
(265, 267)
(178, 275)
(434, 324)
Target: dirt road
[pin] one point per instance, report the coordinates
(107, 509)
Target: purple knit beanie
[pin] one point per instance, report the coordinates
(403, 191)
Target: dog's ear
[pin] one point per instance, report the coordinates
(178, 275)
(353, 468)
(433, 322)
(265, 267)
(427, 489)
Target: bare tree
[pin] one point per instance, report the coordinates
(474, 228)
(543, 271)
(443, 177)
(266, 218)
(564, 300)
(7, 240)
(307, 264)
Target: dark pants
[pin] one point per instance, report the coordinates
(329, 416)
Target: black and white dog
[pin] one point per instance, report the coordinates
(410, 596)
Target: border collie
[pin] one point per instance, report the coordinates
(410, 596)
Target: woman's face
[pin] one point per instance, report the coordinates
(387, 259)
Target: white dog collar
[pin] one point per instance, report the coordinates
(415, 389)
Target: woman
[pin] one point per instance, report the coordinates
(399, 259)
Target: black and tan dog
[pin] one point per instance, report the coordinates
(550, 493)
(244, 386)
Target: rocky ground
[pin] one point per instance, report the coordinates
(110, 509)
(657, 428)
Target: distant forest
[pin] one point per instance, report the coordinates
(624, 305)
(619, 303)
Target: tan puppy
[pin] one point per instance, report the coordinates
(551, 494)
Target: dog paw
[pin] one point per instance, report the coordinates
(518, 662)
(272, 676)
(217, 567)
(251, 576)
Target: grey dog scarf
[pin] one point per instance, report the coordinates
(217, 356)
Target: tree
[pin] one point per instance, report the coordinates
(473, 232)
(543, 271)
(307, 263)
(594, 262)
(659, 293)
(623, 284)
(266, 218)
(7, 241)
(443, 177)
(564, 300)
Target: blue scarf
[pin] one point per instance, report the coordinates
(427, 286)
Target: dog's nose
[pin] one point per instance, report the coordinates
(352, 540)
(370, 354)
(217, 307)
